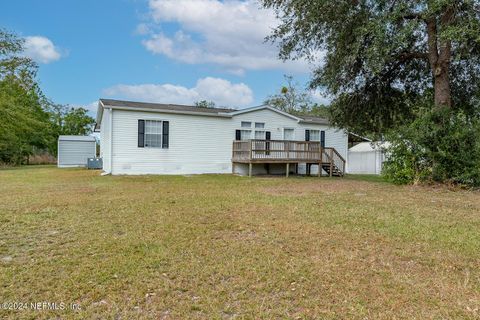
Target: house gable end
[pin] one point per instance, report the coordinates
(265, 107)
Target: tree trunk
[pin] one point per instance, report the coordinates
(439, 55)
(441, 84)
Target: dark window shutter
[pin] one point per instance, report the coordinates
(165, 134)
(322, 139)
(141, 133)
(268, 136)
(307, 135)
(238, 135)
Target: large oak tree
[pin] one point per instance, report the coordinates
(378, 58)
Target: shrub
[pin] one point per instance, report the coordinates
(440, 145)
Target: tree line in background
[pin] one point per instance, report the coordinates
(30, 123)
(406, 71)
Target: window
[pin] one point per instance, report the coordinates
(259, 125)
(260, 135)
(314, 135)
(288, 134)
(246, 124)
(153, 134)
(245, 134)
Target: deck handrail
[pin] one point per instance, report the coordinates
(333, 157)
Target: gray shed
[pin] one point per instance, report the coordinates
(73, 151)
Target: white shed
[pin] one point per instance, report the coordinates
(73, 151)
(366, 158)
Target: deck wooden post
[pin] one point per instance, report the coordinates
(250, 169)
(251, 151)
(288, 169)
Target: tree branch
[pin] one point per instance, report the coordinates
(432, 42)
(404, 56)
(412, 16)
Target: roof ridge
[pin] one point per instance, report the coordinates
(107, 100)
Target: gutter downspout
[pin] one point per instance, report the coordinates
(111, 140)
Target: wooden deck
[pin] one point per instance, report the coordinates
(288, 152)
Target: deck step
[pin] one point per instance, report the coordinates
(336, 172)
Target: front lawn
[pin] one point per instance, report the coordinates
(224, 247)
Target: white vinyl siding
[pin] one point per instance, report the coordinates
(105, 140)
(197, 144)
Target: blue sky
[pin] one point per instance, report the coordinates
(159, 50)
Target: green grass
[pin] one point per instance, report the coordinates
(221, 247)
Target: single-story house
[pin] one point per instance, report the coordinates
(366, 157)
(153, 138)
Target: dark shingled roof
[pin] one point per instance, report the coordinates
(316, 120)
(161, 106)
(177, 108)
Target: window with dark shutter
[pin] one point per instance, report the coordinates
(268, 136)
(322, 139)
(307, 135)
(238, 135)
(141, 133)
(165, 134)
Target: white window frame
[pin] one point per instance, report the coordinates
(245, 122)
(260, 123)
(319, 134)
(288, 128)
(145, 134)
(244, 130)
(262, 131)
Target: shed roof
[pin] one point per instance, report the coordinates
(76, 138)
(369, 146)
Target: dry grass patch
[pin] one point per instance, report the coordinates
(224, 247)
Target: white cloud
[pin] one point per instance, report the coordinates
(228, 33)
(220, 91)
(142, 29)
(41, 49)
(320, 97)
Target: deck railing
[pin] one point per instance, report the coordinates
(285, 151)
(276, 151)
